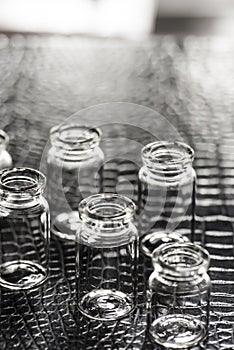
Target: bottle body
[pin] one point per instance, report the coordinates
(179, 292)
(24, 229)
(74, 169)
(167, 190)
(107, 253)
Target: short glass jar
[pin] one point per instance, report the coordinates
(5, 158)
(74, 172)
(24, 229)
(107, 257)
(179, 293)
(166, 192)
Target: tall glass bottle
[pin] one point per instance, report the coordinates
(5, 158)
(74, 172)
(24, 229)
(167, 193)
(179, 292)
(107, 253)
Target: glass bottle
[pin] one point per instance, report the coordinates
(179, 292)
(5, 158)
(24, 229)
(107, 253)
(74, 172)
(166, 192)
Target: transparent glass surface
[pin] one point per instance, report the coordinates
(167, 192)
(179, 292)
(74, 172)
(107, 254)
(24, 229)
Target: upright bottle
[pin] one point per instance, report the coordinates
(24, 229)
(179, 292)
(5, 158)
(107, 253)
(167, 193)
(74, 172)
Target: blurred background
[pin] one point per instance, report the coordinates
(119, 18)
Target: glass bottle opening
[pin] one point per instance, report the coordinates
(74, 137)
(181, 259)
(167, 157)
(4, 139)
(107, 208)
(22, 181)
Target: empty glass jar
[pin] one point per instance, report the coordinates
(167, 192)
(24, 229)
(5, 158)
(179, 292)
(107, 253)
(74, 172)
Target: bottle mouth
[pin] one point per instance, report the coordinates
(181, 259)
(167, 157)
(107, 208)
(22, 181)
(4, 139)
(74, 137)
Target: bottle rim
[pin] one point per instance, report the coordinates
(75, 137)
(167, 156)
(181, 259)
(22, 181)
(107, 208)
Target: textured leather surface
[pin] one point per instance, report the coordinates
(190, 82)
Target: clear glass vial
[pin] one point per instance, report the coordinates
(166, 192)
(74, 172)
(24, 229)
(179, 292)
(107, 253)
(5, 158)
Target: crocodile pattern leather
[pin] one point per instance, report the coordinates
(190, 81)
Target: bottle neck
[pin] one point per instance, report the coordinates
(180, 261)
(73, 142)
(107, 220)
(167, 161)
(19, 186)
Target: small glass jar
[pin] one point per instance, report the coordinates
(179, 292)
(24, 229)
(167, 192)
(74, 172)
(107, 255)
(5, 158)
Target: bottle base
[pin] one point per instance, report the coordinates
(106, 305)
(21, 275)
(65, 225)
(177, 331)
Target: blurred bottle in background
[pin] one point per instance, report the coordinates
(5, 158)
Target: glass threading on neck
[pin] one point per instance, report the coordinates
(21, 183)
(180, 261)
(73, 141)
(107, 221)
(167, 160)
(107, 210)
